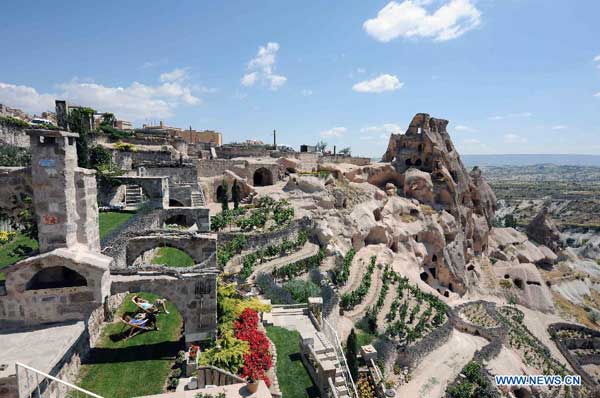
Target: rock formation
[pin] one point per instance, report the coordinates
(543, 230)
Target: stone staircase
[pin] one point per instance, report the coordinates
(133, 196)
(198, 199)
(327, 353)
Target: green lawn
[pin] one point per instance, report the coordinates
(109, 220)
(293, 377)
(15, 250)
(172, 257)
(22, 247)
(139, 366)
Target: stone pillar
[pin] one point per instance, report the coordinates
(53, 164)
(62, 114)
(315, 307)
(88, 232)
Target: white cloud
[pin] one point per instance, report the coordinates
(472, 141)
(134, 102)
(176, 75)
(511, 115)
(25, 98)
(388, 128)
(262, 68)
(514, 139)
(334, 132)
(559, 127)
(249, 79)
(411, 19)
(379, 84)
(307, 92)
(462, 127)
(597, 58)
(597, 94)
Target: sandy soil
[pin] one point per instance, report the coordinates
(441, 366)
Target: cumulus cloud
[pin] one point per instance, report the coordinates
(262, 68)
(411, 19)
(514, 139)
(307, 92)
(26, 98)
(380, 84)
(334, 132)
(597, 58)
(387, 128)
(597, 94)
(559, 127)
(134, 102)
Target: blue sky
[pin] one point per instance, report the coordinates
(512, 76)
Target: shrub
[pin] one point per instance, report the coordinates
(10, 121)
(272, 291)
(302, 290)
(6, 236)
(228, 353)
(351, 353)
(298, 268)
(124, 146)
(258, 360)
(12, 156)
(351, 299)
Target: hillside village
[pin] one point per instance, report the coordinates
(163, 262)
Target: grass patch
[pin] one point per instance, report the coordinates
(293, 377)
(120, 368)
(18, 248)
(364, 338)
(111, 220)
(172, 257)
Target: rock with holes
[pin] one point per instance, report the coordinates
(524, 284)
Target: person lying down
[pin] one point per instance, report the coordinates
(146, 306)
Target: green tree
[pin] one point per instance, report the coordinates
(321, 146)
(351, 353)
(236, 194)
(108, 119)
(81, 121)
(346, 151)
(510, 221)
(224, 196)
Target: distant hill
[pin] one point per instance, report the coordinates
(527, 160)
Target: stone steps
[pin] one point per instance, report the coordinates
(133, 195)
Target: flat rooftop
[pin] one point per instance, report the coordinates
(40, 348)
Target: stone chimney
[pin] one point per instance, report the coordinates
(53, 164)
(275, 139)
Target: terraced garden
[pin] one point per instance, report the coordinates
(478, 315)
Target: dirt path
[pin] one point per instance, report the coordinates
(441, 366)
(308, 250)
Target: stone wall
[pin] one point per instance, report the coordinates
(216, 167)
(101, 315)
(26, 304)
(191, 215)
(358, 161)
(260, 240)
(411, 355)
(16, 136)
(175, 172)
(238, 151)
(194, 295)
(201, 247)
(575, 363)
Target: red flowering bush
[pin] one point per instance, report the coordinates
(258, 360)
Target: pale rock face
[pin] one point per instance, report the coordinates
(418, 185)
(544, 231)
(528, 286)
(306, 184)
(289, 164)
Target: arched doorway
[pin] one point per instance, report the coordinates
(262, 177)
(56, 278)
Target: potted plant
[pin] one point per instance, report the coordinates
(253, 375)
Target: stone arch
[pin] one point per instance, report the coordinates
(262, 177)
(179, 219)
(418, 162)
(195, 297)
(199, 248)
(55, 278)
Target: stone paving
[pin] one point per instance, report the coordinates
(39, 348)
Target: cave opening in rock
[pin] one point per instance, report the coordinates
(424, 276)
(518, 283)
